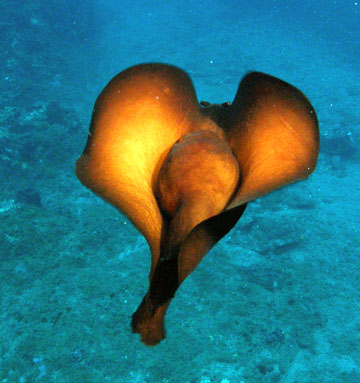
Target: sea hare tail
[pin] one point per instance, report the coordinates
(149, 322)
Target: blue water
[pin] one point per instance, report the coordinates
(277, 300)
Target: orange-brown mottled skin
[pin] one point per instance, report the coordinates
(183, 172)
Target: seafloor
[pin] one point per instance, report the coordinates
(277, 300)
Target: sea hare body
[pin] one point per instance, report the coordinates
(183, 172)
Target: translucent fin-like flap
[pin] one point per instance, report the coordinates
(273, 131)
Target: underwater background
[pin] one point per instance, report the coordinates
(277, 300)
